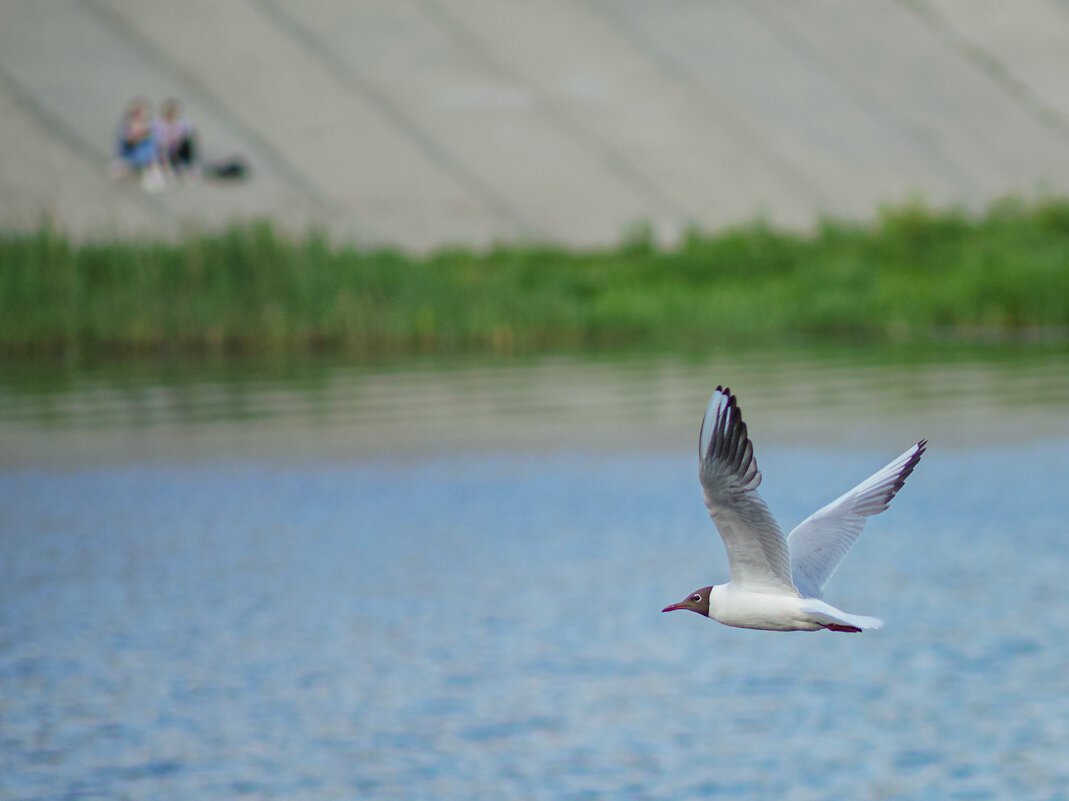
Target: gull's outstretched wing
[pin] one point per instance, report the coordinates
(757, 552)
(819, 543)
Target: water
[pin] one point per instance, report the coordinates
(445, 584)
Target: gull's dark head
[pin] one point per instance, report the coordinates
(697, 601)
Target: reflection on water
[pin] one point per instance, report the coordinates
(433, 583)
(312, 409)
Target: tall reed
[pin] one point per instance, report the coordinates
(913, 274)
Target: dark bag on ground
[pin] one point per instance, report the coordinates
(234, 168)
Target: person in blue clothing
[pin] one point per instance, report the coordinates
(137, 150)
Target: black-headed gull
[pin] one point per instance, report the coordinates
(776, 581)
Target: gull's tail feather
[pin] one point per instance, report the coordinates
(837, 620)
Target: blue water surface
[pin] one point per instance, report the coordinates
(487, 625)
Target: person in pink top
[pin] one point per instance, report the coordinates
(176, 139)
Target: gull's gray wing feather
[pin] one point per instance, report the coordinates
(820, 542)
(757, 551)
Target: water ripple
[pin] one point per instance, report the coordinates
(484, 622)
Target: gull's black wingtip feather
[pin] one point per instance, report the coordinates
(729, 440)
(922, 446)
(907, 469)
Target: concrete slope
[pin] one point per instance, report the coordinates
(424, 123)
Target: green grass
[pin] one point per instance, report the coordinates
(915, 274)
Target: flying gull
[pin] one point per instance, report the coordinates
(776, 582)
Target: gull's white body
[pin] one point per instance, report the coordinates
(776, 611)
(777, 582)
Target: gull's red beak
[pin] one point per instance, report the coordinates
(672, 607)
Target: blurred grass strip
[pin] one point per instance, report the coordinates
(914, 274)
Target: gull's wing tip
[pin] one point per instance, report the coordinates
(726, 392)
(724, 438)
(898, 471)
(915, 454)
(718, 415)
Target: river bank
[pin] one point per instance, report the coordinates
(914, 275)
